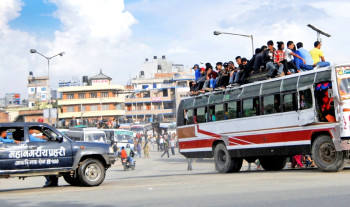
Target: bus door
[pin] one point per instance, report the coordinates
(306, 105)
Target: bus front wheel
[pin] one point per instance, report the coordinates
(326, 157)
(223, 161)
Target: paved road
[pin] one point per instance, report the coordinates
(165, 182)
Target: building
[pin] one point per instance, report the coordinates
(159, 88)
(38, 89)
(97, 99)
(10, 100)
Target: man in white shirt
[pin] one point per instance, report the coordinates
(161, 143)
(172, 146)
(290, 56)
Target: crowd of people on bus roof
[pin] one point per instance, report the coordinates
(274, 62)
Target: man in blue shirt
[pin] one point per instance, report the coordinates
(306, 56)
(32, 138)
(5, 139)
(197, 72)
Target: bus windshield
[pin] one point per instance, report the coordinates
(344, 88)
(123, 136)
(343, 79)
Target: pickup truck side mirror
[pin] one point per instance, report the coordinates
(59, 139)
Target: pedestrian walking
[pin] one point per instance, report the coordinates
(138, 149)
(146, 148)
(161, 143)
(172, 146)
(189, 163)
(166, 149)
(158, 144)
(153, 140)
(115, 149)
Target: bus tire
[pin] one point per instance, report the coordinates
(223, 161)
(273, 163)
(325, 155)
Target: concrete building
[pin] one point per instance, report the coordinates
(10, 100)
(38, 89)
(96, 99)
(159, 88)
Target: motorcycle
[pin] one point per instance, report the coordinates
(127, 165)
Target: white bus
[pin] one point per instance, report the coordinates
(304, 113)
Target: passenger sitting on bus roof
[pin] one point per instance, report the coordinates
(317, 54)
(278, 58)
(220, 74)
(268, 56)
(308, 65)
(290, 55)
(259, 61)
(223, 76)
(226, 75)
(198, 85)
(233, 78)
(243, 72)
(197, 74)
(209, 84)
(233, 70)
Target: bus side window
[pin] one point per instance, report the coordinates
(190, 117)
(233, 110)
(271, 104)
(201, 115)
(305, 98)
(212, 115)
(251, 107)
(219, 112)
(289, 102)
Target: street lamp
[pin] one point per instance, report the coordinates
(48, 75)
(243, 35)
(319, 32)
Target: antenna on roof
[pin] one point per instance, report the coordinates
(319, 32)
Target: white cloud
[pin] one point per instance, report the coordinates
(94, 34)
(103, 34)
(9, 10)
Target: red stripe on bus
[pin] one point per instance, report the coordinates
(302, 135)
(208, 133)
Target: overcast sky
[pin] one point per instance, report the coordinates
(116, 36)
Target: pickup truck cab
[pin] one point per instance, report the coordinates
(80, 163)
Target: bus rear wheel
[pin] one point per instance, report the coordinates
(223, 161)
(273, 163)
(326, 157)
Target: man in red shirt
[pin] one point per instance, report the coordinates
(279, 58)
(123, 153)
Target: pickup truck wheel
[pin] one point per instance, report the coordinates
(91, 172)
(74, 181)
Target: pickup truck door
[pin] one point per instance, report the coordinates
(12, 157)
(50, 153)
